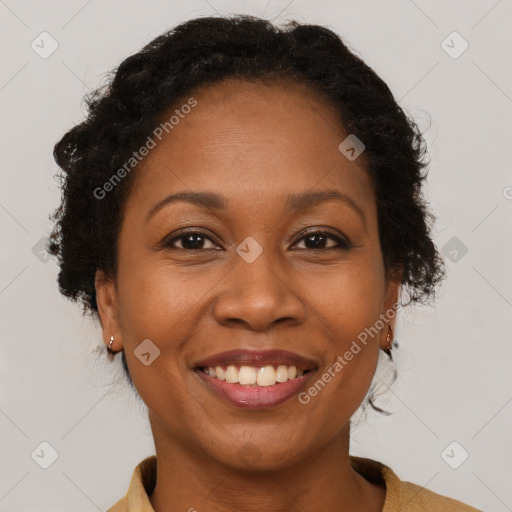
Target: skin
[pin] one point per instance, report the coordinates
(254, 144)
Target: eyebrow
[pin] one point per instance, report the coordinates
(294, 203)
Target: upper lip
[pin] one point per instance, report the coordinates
(258, 358)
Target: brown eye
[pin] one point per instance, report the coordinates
(315, 240)
(190, 241)
(318, 240)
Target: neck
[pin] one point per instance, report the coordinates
(189, 480)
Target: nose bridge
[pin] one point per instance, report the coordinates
(258, 291)
(258, 269)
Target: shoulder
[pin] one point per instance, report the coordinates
(141, 485)
(412, 497)
(120, 506)
(406, 496)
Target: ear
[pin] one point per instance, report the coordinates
(390, 307)
(108, 310)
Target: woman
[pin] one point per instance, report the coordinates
(242, 210)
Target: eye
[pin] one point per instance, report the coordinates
(318, 240)
(190, 241)
(314, 240)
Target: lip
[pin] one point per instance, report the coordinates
(256, 397)
(258, 358)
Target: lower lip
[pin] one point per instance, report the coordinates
(256, 397)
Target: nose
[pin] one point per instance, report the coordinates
(257, 296)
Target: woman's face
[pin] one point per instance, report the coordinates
(253, 277)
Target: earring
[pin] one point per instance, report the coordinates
(389, 341)
(389, 337)
(110, 344)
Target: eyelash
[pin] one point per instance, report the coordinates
(341, 243)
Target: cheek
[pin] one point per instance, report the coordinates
(350, 298)
(157, 304)
(338, 391)
(348, 306)
(161, 303)
(157, 298)
(346, 317)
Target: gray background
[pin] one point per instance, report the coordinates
(454, 359)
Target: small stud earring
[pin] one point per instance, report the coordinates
(389, 341)
(389, 337)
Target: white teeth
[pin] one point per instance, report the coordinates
(231, 374)
(221, 374)
(247, 375)
(282, 374)
(251, 375)
(266, 376)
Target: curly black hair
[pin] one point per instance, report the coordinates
(147, 85)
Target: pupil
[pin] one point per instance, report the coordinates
(189, 242)
(320, 240)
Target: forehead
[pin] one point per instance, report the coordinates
(246, 139)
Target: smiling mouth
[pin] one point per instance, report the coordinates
(254, 376)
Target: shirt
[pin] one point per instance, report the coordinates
(400, 496)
